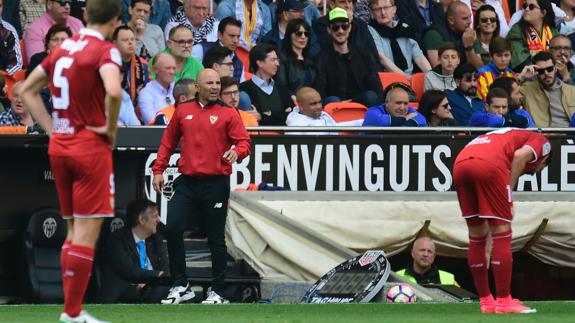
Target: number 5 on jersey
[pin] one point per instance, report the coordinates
(60, 81)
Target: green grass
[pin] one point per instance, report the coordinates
(330, 313)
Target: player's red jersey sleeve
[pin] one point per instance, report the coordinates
(539, 144)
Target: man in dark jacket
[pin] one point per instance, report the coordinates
(345, 72)
(359, 36)
(457, 29)
(135, 259)
(420, 14)
(463, 99)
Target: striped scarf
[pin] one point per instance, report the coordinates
(536, 43)
(200, 34)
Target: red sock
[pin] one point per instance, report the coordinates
(477, 265)
(63, 262)
(78, 272)
(502, 263)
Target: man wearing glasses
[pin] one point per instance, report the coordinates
(548, 99)
(463, 99)
(560, 49)
(345, 72)
(180, 43)
(57, 12)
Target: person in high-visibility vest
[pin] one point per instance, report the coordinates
(422, 269)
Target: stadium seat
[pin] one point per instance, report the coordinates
(109, 226)
(388, 78)
(417, 84)
(43, 238)
(12, 79)
(345, 111)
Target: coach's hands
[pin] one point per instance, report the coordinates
(231, 156)
(109, 134)
(158, 182)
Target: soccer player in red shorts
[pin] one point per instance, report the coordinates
(84, 78)
(484, 173)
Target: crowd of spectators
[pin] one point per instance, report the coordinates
(279, 53)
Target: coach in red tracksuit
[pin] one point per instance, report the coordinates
(212, 139)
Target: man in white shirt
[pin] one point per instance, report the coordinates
(309, 112)
(157, 94)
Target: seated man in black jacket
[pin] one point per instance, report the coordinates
(345, 72)
(359, 35)
(135, 260)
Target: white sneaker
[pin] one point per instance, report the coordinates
(214, 298)
(179, 294)
(83, 317)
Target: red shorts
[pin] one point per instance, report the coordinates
(85, 185)
(484, 192)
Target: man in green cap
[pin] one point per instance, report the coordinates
(359, 36)
(346, 72)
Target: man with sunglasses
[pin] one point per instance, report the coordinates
(548, 99)
(346, 72)
(57, 12)
(463, 99)
(359, 35)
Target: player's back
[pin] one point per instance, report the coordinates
(78, 93)
(498, 147)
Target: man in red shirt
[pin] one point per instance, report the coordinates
(84, 78)
(484, 175)
(212, 139)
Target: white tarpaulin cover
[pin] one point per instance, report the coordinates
(279, 253)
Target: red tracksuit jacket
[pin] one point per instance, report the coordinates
(205, 133)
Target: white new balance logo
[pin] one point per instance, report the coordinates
(218, 205)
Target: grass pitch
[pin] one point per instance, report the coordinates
(329, 313)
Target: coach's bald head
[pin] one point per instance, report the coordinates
(209, 85)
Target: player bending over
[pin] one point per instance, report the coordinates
(484, 174)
